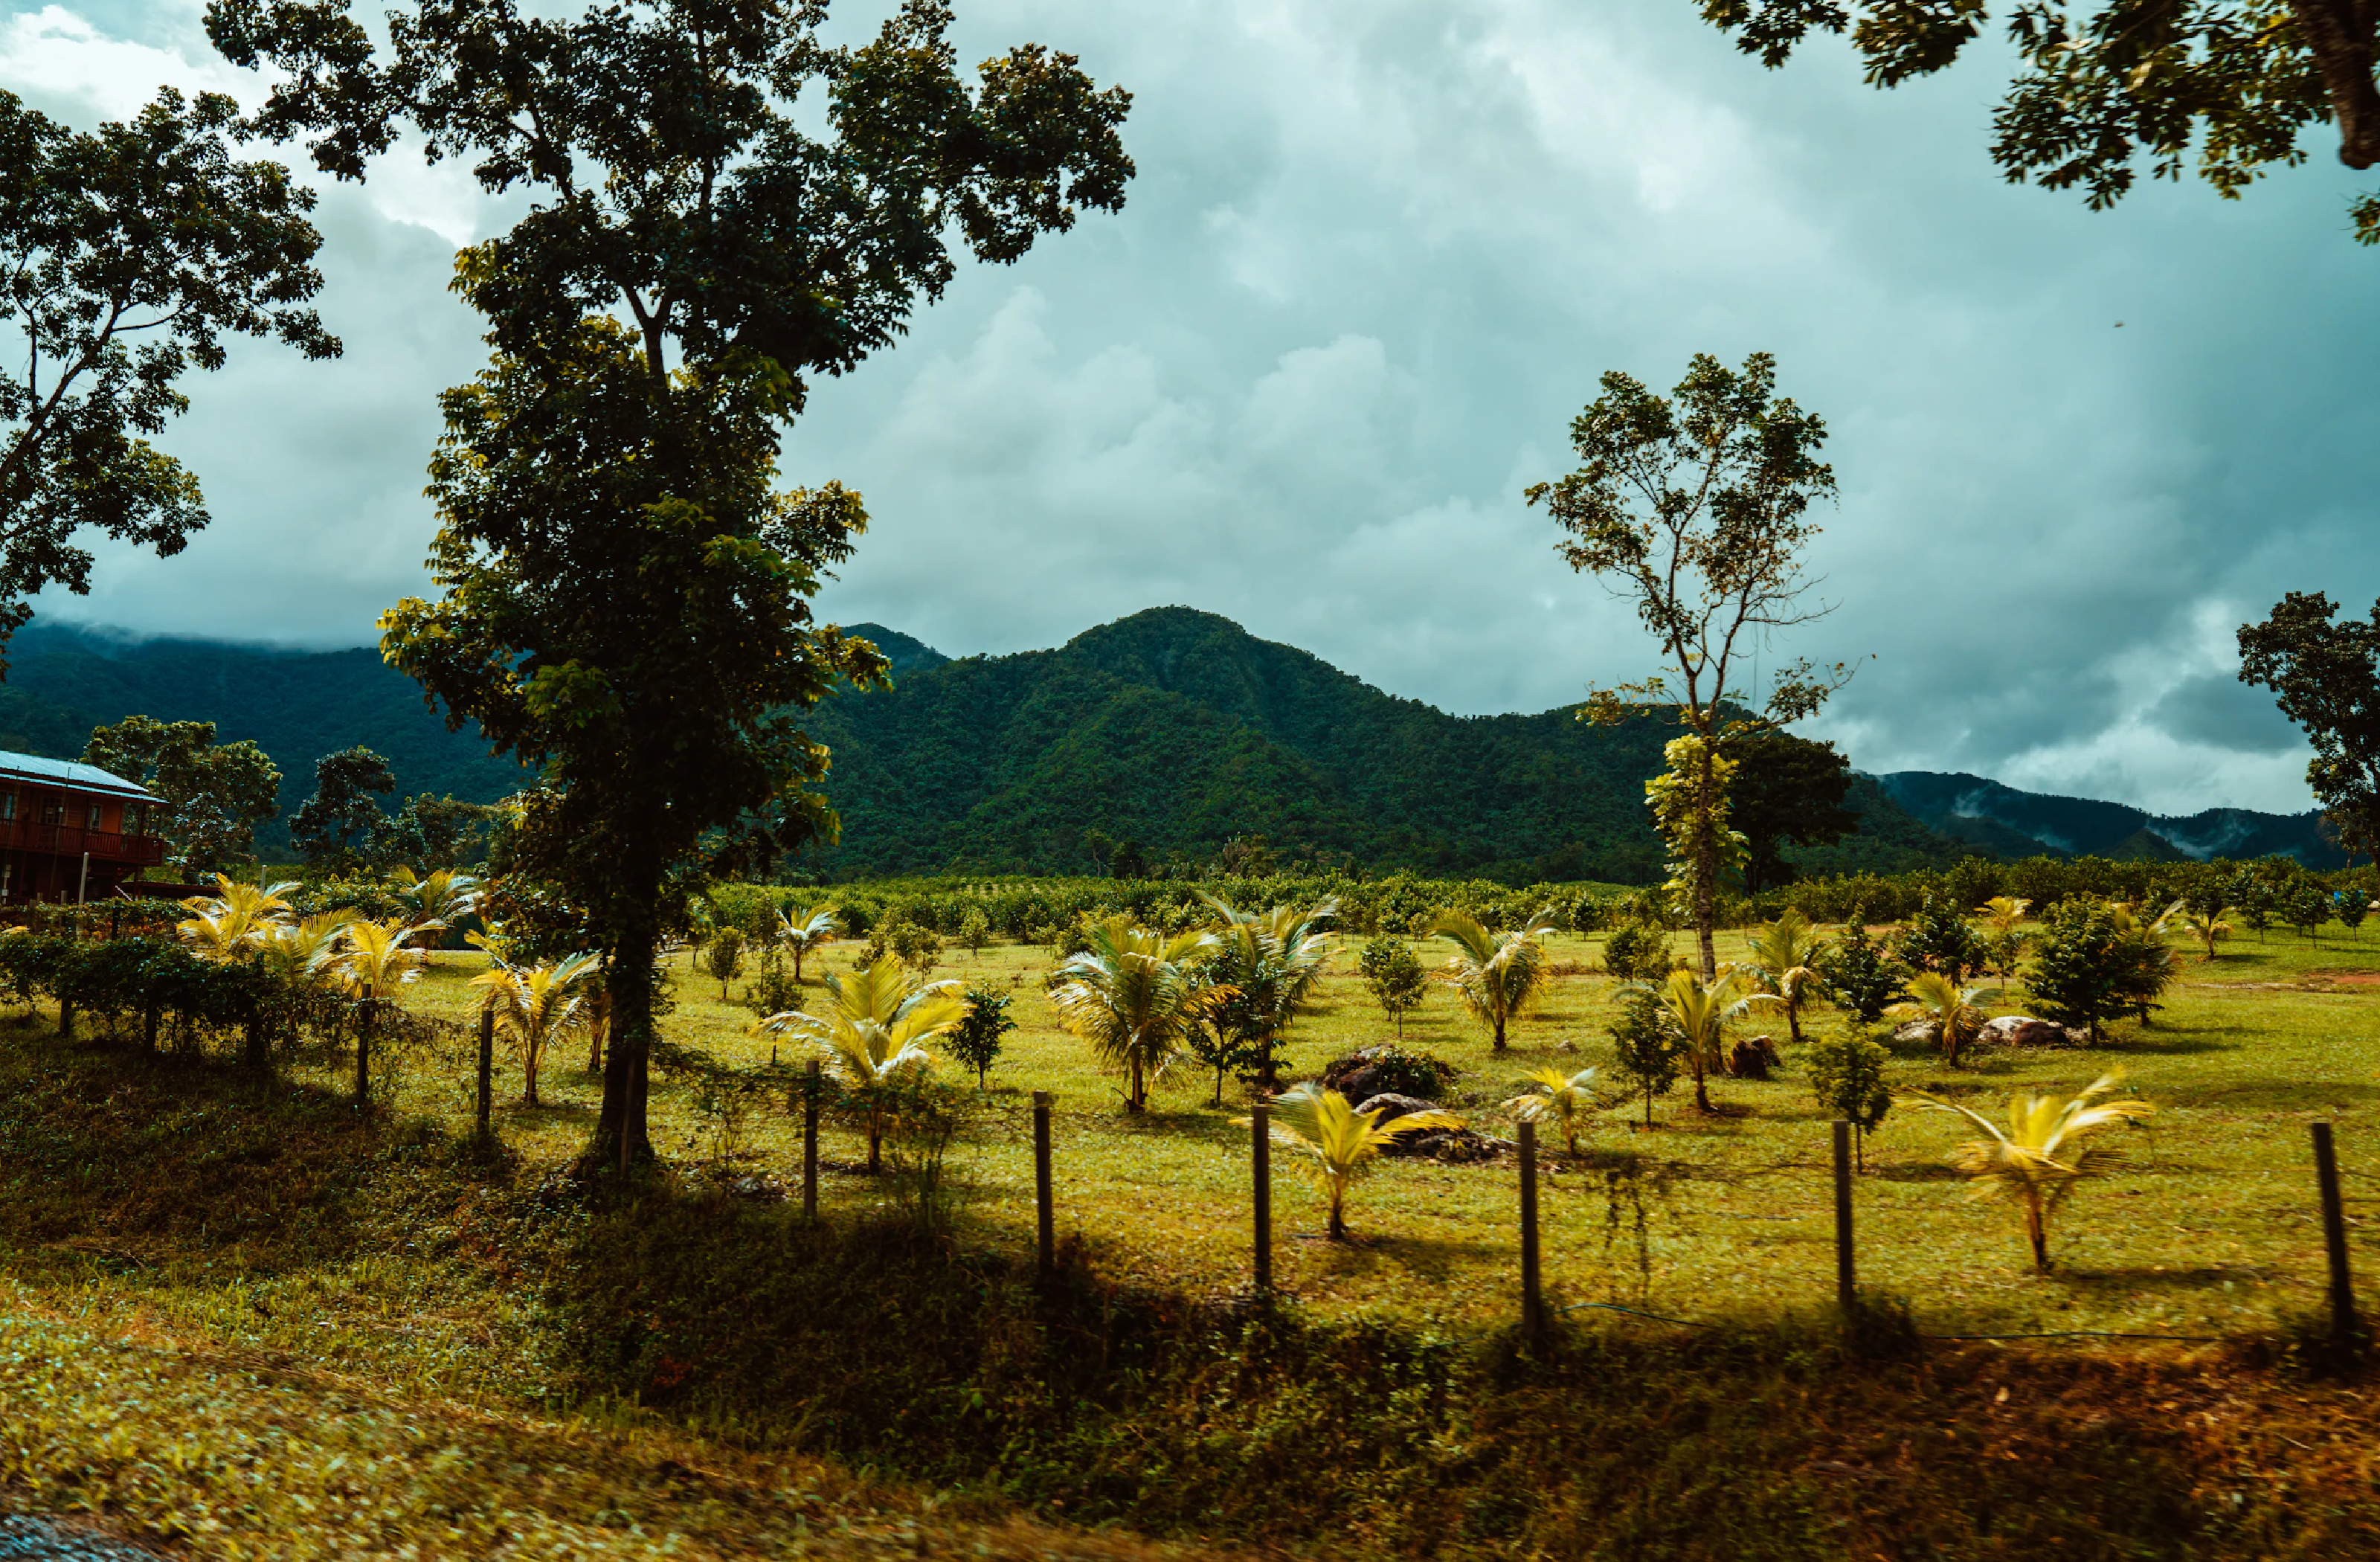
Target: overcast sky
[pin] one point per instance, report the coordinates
(1377, 255)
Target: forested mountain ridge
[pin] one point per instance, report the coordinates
(2019, 823)
(294, 705)
(1177, 729)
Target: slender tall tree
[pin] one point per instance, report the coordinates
(1697, 506)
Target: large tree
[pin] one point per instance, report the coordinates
(341, 825)
(1695, 507)
(2325, 675)
(2100, 90)
(215, 795)
(127, 255)
(624, 598)
(1788, 790)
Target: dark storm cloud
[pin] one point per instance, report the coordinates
(1377, 255)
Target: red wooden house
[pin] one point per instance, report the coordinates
(71, 832)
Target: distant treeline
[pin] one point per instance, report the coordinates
(1034, 910)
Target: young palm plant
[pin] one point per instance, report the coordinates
(2205, 924)
(1564, 1098)
(2036, 1161)
(1495, 973)
(535, 1006)
(1271, 961)
(802, 928)
(1135, 997)
(372, 959)
(1958, 1015)
(1782, 951)
(1699, 1013)
(870, 1031)
(1339, 1143)
(2004, 914)
(236, 919)
(435, 901)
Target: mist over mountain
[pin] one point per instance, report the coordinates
(2016, 824)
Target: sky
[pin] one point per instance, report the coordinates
(1377, 255)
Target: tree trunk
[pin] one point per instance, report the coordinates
(1133, 1101)
(1702, 1085)
(530, 1057)
(2039, 1234)
(65, 1017)
(1706, 858)
(1793, 1022)
(621, 1139)
(363, 1052)
(597, 1029)
(1338, 1223)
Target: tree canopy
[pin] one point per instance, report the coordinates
(2096, 94)
(2326, 674)
(130, 252)
(215, 794)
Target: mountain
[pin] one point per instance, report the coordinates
(2016, 824)
(1177, 729)
(297, 707)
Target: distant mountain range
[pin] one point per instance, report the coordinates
(2013, 823)
(1172, 728)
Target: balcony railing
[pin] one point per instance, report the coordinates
(68, 840)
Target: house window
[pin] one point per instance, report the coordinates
(136, 817)
(94, 818)
(8, 806)
(53, 810)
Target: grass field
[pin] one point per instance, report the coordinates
(2210, 1229)
(251, 1320)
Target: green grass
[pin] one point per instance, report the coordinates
(226, 1301)
(2209, 1228)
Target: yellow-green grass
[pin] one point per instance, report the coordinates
(2210, 1227)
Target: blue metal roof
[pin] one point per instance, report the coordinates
(67, 772)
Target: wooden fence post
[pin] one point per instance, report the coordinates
(1045, 1216)
(1532, 1301)
(1260, 1145)
(809, 1142)
(487, 1066)
(2333, 1237)
(1846, 1278)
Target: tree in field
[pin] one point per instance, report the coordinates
(2325, 677)
(722, 957)
(1957, 1016)
(434, 901)
(1495, 974)
(1339, 1144)
(340, 826)
(132, 252)
(871, 1031)
(434, 830)
(215, 795)
(1786, 790)
(535, 1006)
(975, 1041)
(1135, 997)
(1395, 976)
(1863, 976)
(2305, 905)
(2038, 1158)
(1645, 1046)
(1699, 1014)
(1847, 1074)
(2253, 895)
(2096, 94)
(236, 919)
(1695, 507)
(1938, 939)
(372, 959)
(626, 596)
(2351, 905)
(802, 928)
(2085, 967)
(1786, 954)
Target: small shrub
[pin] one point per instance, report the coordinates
(1637, 953)
(1394, 974)
(1939, 938)
(1847, 1076)
(1388, 1070)
(1863, 977)
(2085, 970)
(975, 1042)
(722, 957)
(974, 929)
(772, 989)
(1645, 1049)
